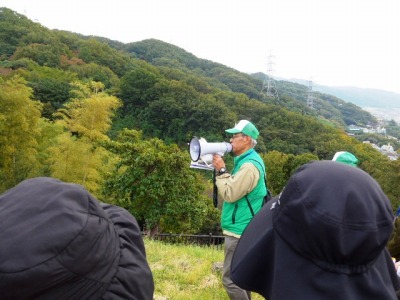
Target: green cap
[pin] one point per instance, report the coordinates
(245, 127)
(346, 158)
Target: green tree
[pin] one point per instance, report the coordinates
(296, 161)
(137, 89)
(50, 86)
(100, 53)
(47, 139)
(154, 182)
(396, 184)
(179, 112)
(13, 27)
(79, 157)
(44, 55)
(77, 160)
(281, 166)
(19, 118)
(277, 176)
(89, 117)
(384, 171)
(95, 72)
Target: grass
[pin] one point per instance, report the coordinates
(186, 272)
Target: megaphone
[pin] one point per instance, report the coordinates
(200, 147)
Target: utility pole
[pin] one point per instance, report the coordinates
(269, 86)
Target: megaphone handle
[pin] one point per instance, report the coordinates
(215, 190)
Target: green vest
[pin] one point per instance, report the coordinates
(235, 216)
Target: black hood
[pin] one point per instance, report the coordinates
(59, 242)
(324, 237)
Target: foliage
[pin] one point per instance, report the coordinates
(281, 166)
(294, 96)
(44, 55)
(13, 27)
(50, 86)
(19, 127)
(168, 95)
(78, 156)
(136, 89)
(76, 160)
(378, 139)
(153, 181)
(93, 72)
(152, 49)
(93, 51)
(393, 129)
(89, 117)
(46, 140)
(180, 112)
(277, 174)
(384, 171)
(344, 111)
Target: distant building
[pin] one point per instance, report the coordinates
(389, 152)
(386, 150)
(378, 130)
(353, 128)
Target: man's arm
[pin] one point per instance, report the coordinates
(233, 187)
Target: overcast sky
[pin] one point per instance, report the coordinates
(331, 42)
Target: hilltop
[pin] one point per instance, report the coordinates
(163, 96)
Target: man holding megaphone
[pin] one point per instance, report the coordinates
(242, 191)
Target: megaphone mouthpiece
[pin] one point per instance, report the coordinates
(200, 147)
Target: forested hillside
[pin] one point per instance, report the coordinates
(117, 118)
(291, 96)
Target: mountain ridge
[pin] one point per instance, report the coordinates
(66, 51)
(363, 97)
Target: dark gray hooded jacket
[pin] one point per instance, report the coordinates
(58, 242)
(324, 237)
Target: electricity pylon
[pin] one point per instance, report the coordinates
(310, 97)
(269, 85)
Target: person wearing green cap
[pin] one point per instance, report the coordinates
(242, 191)
(393, 244)
(346, 158)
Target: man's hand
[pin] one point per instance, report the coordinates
(218, 162)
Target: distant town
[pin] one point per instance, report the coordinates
(387, 150)
(392, 113)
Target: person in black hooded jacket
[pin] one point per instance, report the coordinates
(59, 242)
(323, 237)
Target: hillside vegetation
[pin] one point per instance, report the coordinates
(117, 118)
